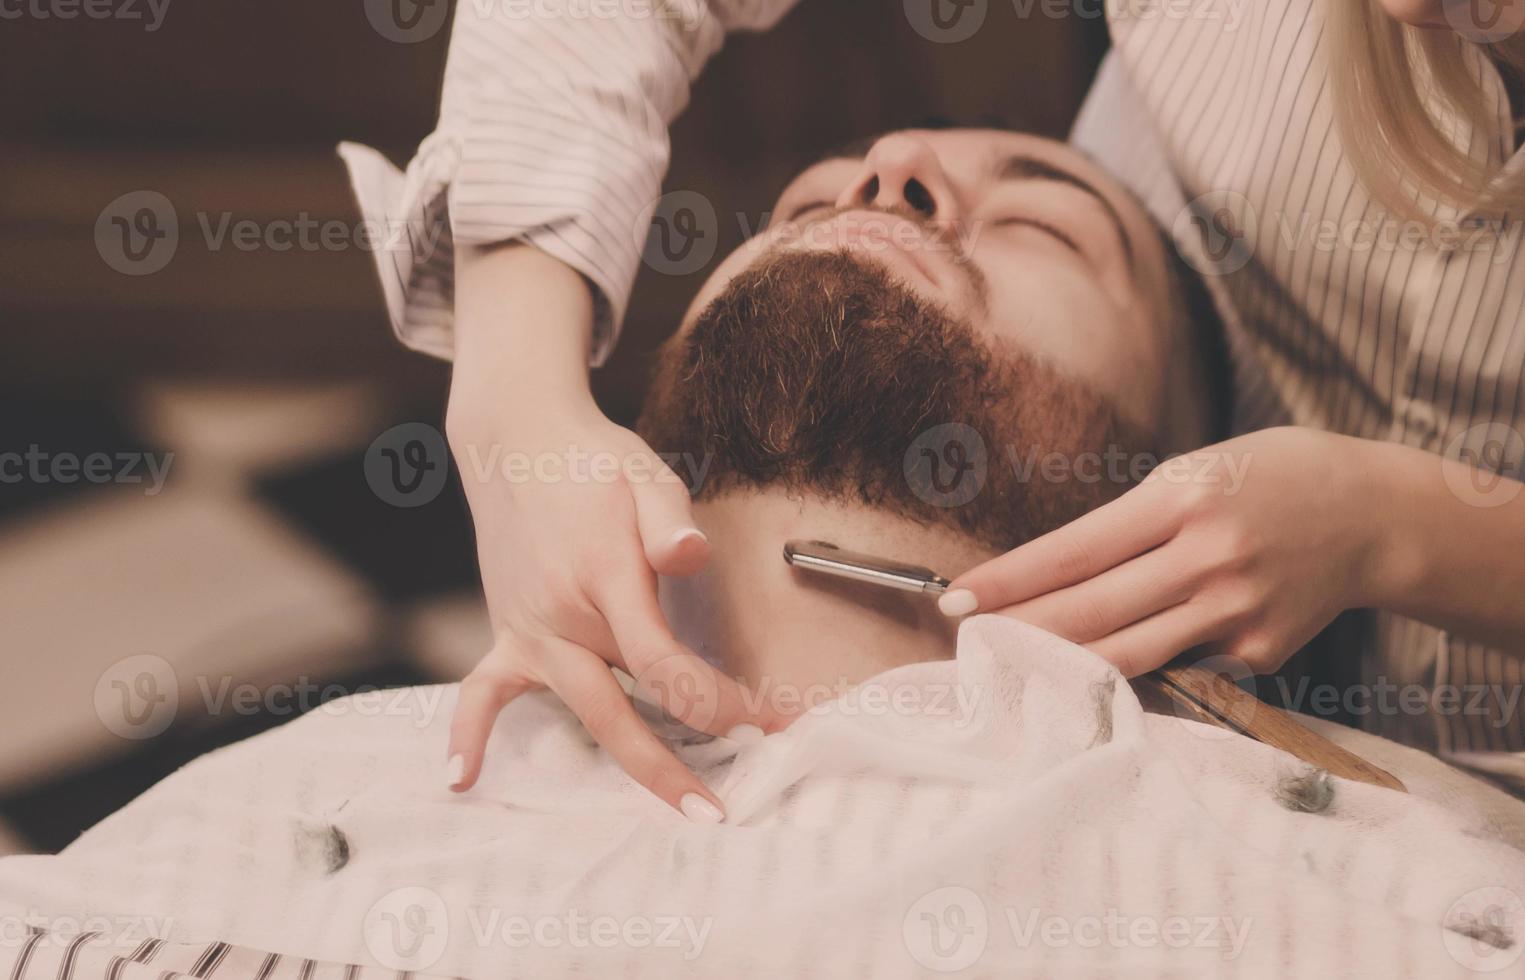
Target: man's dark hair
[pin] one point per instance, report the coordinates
(1207, 332)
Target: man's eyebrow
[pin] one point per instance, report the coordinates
(1020, 166)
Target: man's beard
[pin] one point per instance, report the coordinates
(818, 373)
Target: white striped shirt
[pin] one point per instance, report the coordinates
(552, 130)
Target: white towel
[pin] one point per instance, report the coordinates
(1012, 812)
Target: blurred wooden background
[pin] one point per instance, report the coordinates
(236, 106)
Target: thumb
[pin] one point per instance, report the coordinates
(664, 516)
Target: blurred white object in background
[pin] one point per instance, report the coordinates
(449, 635)
(124, 613)
(220, 431)
(10, 843)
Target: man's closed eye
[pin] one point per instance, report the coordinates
(1042, 226)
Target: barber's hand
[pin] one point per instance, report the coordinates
(1249, 547)
(575, 518)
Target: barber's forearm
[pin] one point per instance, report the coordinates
(556, 126)
(1445, 559)
(524, 325)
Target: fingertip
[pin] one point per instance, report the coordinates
(746, 733)
(684, 553)
(701, 809)
(958, 602)
(483, 694)
(455, 773)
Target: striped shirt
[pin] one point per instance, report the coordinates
(553, 130)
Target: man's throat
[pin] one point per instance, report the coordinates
(797, 637)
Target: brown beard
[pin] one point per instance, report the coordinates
(819, 373)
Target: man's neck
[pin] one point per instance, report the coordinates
(800, 636)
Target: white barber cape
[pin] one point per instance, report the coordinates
(1011, 813)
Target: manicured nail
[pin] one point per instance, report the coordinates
(959, 602)
(683, 534)
(700, 810)
(455, 770)
(746, 734)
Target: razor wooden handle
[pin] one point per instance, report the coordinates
(1202, 695)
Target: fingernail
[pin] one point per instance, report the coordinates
(683, 534)
(959, 602)
(455, 771)
(746, 734)
(700, 810)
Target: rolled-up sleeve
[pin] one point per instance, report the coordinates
(552, 131)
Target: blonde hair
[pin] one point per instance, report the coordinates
(1389, 81)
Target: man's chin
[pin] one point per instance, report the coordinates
(820, 372)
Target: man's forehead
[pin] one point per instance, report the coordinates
(992, 146)
(979, 148)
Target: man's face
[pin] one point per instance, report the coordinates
(950, 303)
(1022, 237)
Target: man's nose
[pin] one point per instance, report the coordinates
(899, 172)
